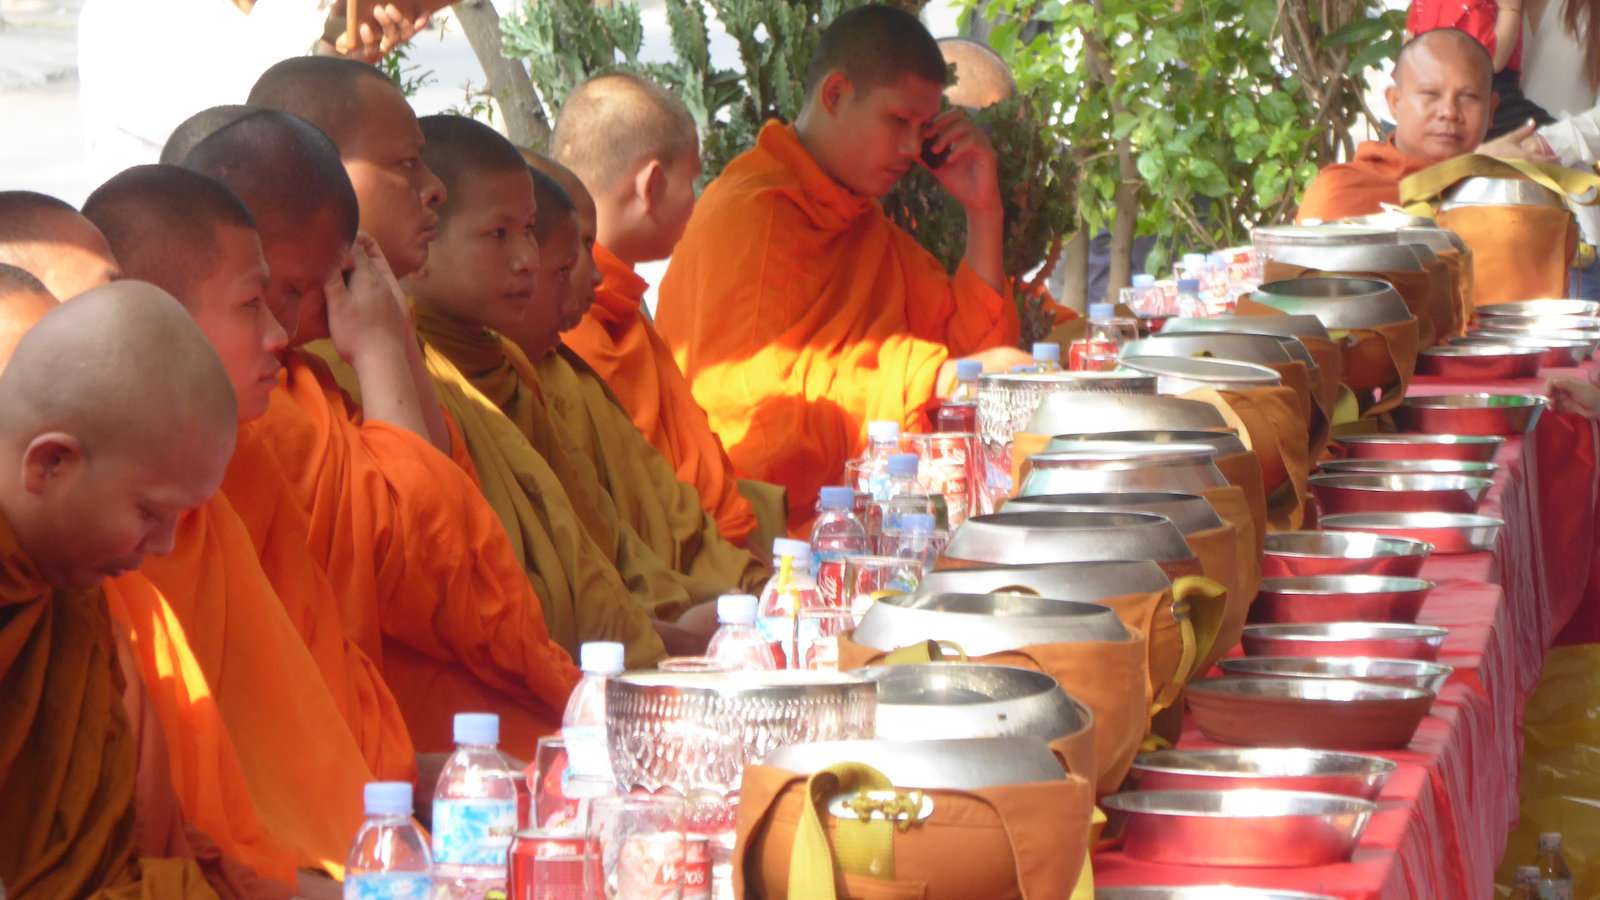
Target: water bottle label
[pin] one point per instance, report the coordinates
(473, 832)
(777, 631)
(588, 754)
(387, 886)
(1554, 890)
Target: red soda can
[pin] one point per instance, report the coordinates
(547, 865)
(696, 867)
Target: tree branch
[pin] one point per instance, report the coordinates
(509, 83)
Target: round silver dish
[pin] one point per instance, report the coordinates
(1359, 492)
(1190, 512)
(1082, 581)
(1476, 447)
(1180, 375)
(1460, 361)
(1486, 414)
(1270, 768)
(1554, 352)
(1006, 539)
(944, 701)
(1338, 303)
(1263, 349)
(697, 731)
(1062, 413)
(1412, 673)
(1096, 466)
(1298, 553)
(960, 765)
(1269, 238)
(1226, 443)
(1411, 467)
(1524, 309)
(1358, 257)
(1284, 326)
(983, 624)
(1447, 532)
(1310, 599)
(1385, 640)
(1239, 828)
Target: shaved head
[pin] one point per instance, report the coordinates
(323, 90)
(51, 241)
(1442, 97)
(101, 457)
(558, 187)
(457, 148)
(875, 46)
(555, 204)
(197, 128)
(613, 124)
(23, 301)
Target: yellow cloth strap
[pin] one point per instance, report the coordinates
(925, 652)
(865, 845)
(1347, 408)
(1198, 604)
(1420, 192)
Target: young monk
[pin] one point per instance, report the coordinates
(462, 301)
(24, 300)
(796, 309)
(102, 466)
(49, 239)
(592, 574)
(634, 146)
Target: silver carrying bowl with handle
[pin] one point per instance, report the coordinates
(1338, 303)
(1005, 539)
(1061, 413)
(1110, 466)
(958, 765)
(1190, 512)
(945, 701)
(984, 624)
(1083, 581)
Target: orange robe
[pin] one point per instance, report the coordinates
(799, 312)
(620, 343)
(424, 577)
(1360, 186)
(68, 756)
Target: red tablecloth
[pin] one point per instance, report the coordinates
(1443, 817)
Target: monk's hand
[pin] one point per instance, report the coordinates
(1572, 395)
(369, 314)
(995, 359)
(1522, 143)
(968, 172)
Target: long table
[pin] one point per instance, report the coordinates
(1443, 817)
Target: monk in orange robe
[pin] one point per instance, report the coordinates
(104, 467)
(1442, 105)
(596, 578)
(634, 146)
(47, 238)
(796, 309)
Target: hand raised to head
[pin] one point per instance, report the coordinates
(367, 311)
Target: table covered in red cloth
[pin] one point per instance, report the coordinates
(1443, 817)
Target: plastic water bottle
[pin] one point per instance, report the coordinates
(913, 536)
(474, 812)
(1526, 885)
(737, 644)
(883, 441)
(790, 588)
(583, 724)
(836, 534)
(959, 412)
(1555, 879)
(1193, 266)
(902, 482)
(1190, 304)
(389, 859)
(1046, 356)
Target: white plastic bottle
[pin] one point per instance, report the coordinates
(836, 534)
(883, 441)
(903, 494)
(790, 588)
(1190, 304)
(737, 644)
(913, 537)
(389, 859)
(583, 724)
(474, 812)
(1046, 356)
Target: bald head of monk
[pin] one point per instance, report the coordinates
(288, 173)
(192, 237)
(55, 244)
(379, 143)
(197, 128)
(873, 86)
(23, 301)
(483, 265)
(115, 420)
(634, 146)
(569, 198)
(1441, 98)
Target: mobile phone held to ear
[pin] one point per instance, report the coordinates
(932, 159)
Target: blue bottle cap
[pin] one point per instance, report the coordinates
(968, 369)
(1188, 285)
(838, 497)
(1143, 280)
(916, 522)
(902, 464)
(477, 728)
(1101, 310)
(1047, 351)
(387, 798)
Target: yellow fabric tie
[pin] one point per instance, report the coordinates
(865, 846)
(1420, 193)
(1198, 605)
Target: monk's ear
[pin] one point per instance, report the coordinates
(1391, 96)
(48, 459)
(650, 184)
(835, 88)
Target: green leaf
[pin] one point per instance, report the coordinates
(1357, 31)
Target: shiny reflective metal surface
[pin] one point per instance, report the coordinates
(1271, 768)
(954, 764)
(1357, 258)
(1253, 348)
(1339, 598)
(1302, 553)
(1338, 303)
(1381, 639)
(1553, 352)
(1461, 361)
(1327, 714)
(944, 701)
(1475, 447)
(1368, 492)
(1411, 467)
(1570, 328)
(1285, 326)
(1082, 581)
(1061, 413)
(1180, 375)
(1412, 673)
(1523, 309)
(1238, 828)
(1486, 414)
(1267, 237)
(1095, 465)
(1482, 190)
(1026, 538)
(985, 623)
(1226, 443)
(1190, 512)
(1447, 532)
(1202, 892)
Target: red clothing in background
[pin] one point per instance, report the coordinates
(1475, 17)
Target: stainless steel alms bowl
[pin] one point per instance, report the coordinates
(1467, 362)
(1410, 467)
(1523, 309)
(1488, 414)
(1412, 673)
(984, 623)
(1339, 598)
(1473, 447)
(1083, 581)
(1382, 639)
(1023, 538)
(1447, 532)
(1190, 512)
(1270, 768)
(1290, 553)
(1239, 828)
(943, 701)
(1370, 492)
(1182, 374)
(1330, 714)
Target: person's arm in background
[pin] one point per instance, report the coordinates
(1507, 32)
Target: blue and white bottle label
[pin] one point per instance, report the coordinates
(387, 886)
(473, 832)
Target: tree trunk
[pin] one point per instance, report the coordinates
(1125, 224)
(509, 83)
(1075, 272)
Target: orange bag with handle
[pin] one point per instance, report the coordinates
(1267, 421)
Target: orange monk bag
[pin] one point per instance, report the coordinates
(847, 832)
(1267, 420)
(1520, 251)
(1230, 555)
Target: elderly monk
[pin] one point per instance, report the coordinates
(1442, 105)
(796, 309)
(103, 467)
(634, 146)
(55, 244)
(466, 294)
(594, 576)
